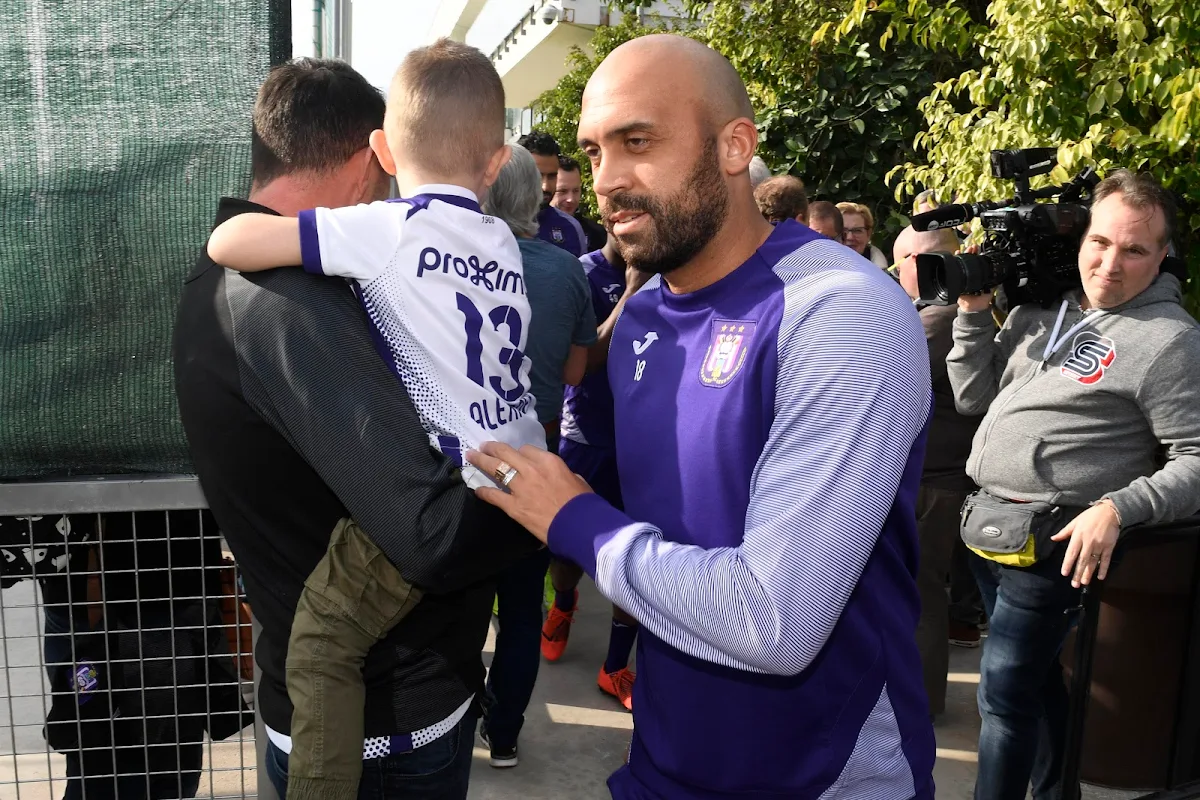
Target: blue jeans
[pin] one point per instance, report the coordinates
(1023, 700)
(518, 648)
(59, 656)
(439, 770)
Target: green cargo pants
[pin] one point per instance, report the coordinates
(350, 601)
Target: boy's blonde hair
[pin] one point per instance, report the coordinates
(445, 109)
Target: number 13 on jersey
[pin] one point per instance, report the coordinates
(500, 371)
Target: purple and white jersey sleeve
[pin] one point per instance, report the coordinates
(848, 369)
(353, 242)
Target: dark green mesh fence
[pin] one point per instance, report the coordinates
(122, 123)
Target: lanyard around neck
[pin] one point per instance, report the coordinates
(1056, 341)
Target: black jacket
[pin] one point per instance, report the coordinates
(294, 421)
(950, 433)
(596, 235)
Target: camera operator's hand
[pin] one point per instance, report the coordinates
(1093, 536)
(975, 302)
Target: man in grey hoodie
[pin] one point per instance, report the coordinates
(1092, 405)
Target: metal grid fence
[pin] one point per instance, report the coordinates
(126, 645)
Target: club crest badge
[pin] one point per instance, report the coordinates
(1091, 354)
(727, 351)
(557, 235)
(87, 678)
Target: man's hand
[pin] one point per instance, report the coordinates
(542, 486)
(974, 302)
(1093, 536)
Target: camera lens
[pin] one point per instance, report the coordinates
(940, 278)
(986, 271)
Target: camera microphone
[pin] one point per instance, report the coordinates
(948, 216)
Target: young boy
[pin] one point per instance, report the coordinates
(444, 289)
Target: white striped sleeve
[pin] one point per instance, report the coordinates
(853, 395)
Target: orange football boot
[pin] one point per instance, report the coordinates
(557, 629)
(619, 684)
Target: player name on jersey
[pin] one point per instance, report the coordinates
(495, 413)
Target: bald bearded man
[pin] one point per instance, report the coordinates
(771, 393)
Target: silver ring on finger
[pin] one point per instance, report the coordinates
(1097, 556)
(509, 474)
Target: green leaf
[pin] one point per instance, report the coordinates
(1114, 92)
(858, 125)
(1096, 102)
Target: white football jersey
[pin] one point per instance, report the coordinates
(443, 285)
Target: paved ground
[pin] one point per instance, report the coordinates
(574, 735)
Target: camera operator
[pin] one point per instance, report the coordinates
(1092, 426)
(944, 482)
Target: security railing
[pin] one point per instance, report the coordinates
(126, 647)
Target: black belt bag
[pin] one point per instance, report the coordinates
(1010, 533)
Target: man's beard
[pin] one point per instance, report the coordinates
(546, 198)
(682, 225)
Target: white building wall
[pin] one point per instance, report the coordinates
(531, 58)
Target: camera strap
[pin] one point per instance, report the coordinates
(1056, 341)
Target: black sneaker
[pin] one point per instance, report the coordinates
(505, 758)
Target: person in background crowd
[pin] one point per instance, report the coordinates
(130, 728)
(967, 617)
(562, 330)
(587, 448)
(771, 394)
(554, 226)
(858, 224)
(1091, 426)
(567, 199)
(759, 172)
(782, 197)
(944, 481)
(825, 219)
(295, 422)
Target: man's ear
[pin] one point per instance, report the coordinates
(496, 163)
(361, 170)
(379, 147)
(736, 145)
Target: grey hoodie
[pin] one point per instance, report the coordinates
(1098, 418)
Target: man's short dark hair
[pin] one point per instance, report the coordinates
(825, 210)
(782, 197)
(311, 115)
(540, 143)
(1142, 191)
(567, 164)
